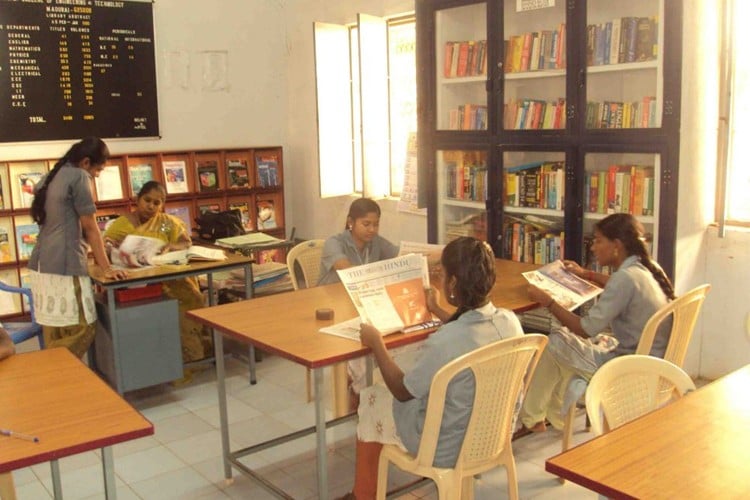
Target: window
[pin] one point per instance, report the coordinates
(734, 178)
(366, 112)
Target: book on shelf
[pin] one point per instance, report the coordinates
(26, 183)
(266, 211)
(105, 220)
(268, 170)
(175, 176)
(388, 294)
(6, 255)
(565, 288)
(26, 235)
(183, 213)
(208, 175)
(244, 208)
(139, 175)
(237, 174)
(109, 184)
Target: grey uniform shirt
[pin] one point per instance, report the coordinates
(341, 246)
(629, 299)
(471, 330)
(60, 247)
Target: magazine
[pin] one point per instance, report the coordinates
(194, 252)
(144, 251)
(566, 288)
(388, 294)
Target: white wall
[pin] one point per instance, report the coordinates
(721, 343)
(312, 216)
(271, 101)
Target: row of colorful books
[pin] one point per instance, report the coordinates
(467, 58)
(468, 117)
(617, 114)
(466, 182)
(528, 243)
(534, 114)
(533, 51)
(622, 40)
(538, 184)
(620, 188)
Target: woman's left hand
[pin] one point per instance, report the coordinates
(369, 335)
(538, 295)
(116, 274)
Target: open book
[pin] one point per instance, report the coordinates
(143, 251)
(388, 294)
(566, 288)
(192, 253)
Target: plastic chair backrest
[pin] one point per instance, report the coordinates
(307, 256)
(502, 370)
(630, 386)
(22, 331)
(684, 311)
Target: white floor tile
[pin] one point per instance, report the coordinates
(147, 464)
(181, 484)
(180, 427)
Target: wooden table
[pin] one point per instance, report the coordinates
(696, 447)
(285, 325)
(157, 342)
(52, 395)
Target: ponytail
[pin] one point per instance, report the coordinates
(92, 148)
(629, 231)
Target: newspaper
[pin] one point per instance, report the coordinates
(567, 289)
(388, 294)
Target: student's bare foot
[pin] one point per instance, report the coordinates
(525, 431)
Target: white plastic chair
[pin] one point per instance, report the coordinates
(502, 371)
(684, 311)
(306, 255)
(630, 386)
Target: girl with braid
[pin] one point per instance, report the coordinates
(395, 413)
(64, 208)
(632, 294)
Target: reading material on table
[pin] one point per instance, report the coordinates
(566, 288)
(389, 294)
(248, 240)
(143, 251)
(193, 252)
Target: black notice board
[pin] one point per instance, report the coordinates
(73, 68)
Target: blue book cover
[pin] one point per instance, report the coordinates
(26, 235)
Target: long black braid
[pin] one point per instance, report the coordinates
(472, 263)
(92, 148)
(629, 231)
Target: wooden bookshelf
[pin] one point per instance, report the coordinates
(115, 193)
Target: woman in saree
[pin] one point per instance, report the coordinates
(148, 219)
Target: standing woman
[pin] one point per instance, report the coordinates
(64, 208)
(358, 244)
(632, 294)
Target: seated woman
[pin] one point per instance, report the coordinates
(149, 220)
(358, 244)
(632, 294)
(395, 415)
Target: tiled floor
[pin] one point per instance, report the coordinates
(182, 459)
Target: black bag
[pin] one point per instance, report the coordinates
(215, 225)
